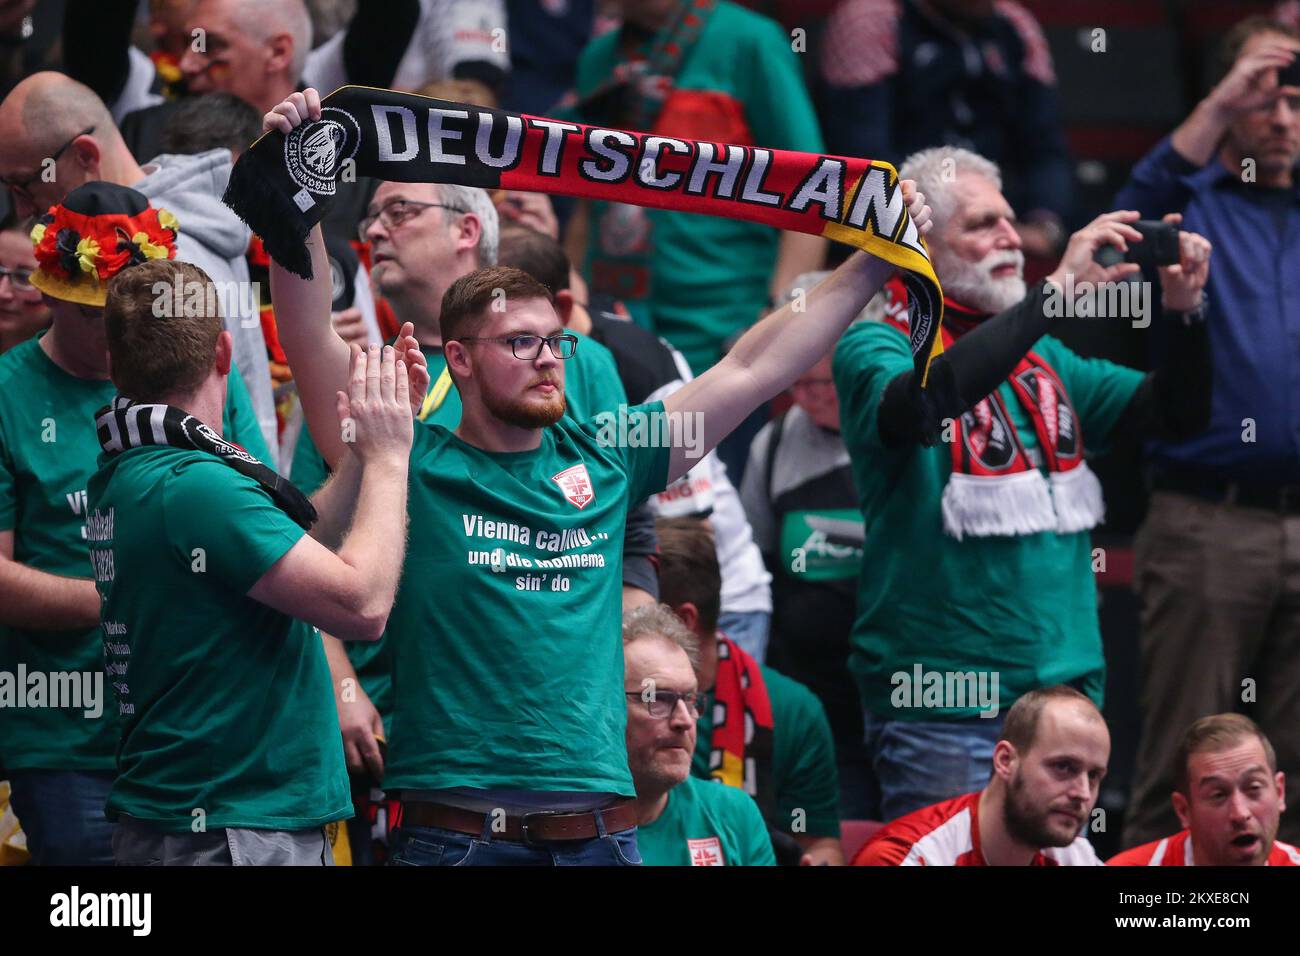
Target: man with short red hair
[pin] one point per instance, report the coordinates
(1229, 797)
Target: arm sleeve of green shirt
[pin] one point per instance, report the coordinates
(869, 356)
(216, 516)
(777, 105)
(808, 781)
(238, 423)
(1100, 390)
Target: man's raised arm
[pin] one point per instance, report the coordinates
(771, 355)
(318, 356)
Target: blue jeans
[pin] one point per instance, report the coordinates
(432, 846)
(922, 762)
(749, 629)
(62, 814)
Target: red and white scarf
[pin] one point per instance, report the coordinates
(995, 489)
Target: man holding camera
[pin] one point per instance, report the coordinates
(1216, 559)
(976, 498)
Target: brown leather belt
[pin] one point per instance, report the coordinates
(536, 827)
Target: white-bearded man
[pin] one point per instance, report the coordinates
(980, 479)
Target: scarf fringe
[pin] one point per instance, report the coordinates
(1001, 505)
(1077, 497)
(261, 203)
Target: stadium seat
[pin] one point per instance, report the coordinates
(855, 833)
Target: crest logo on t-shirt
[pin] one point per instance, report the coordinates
(576, 485)
(706, 852)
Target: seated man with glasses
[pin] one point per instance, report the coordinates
(507, 722)
(682, 820)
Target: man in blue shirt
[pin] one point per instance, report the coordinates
(1218, 558)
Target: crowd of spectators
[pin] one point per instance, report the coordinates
(875, 602)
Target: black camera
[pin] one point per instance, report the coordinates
(1159, 246)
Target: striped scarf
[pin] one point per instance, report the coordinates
(283, 185)
(124, 424)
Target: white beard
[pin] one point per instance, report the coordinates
(972, 283)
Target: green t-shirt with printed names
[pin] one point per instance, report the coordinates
(591, 385)
(706, 824)
(48, 451)
(1023, 608)
(225, 704)
(803, 758)
(507, 631)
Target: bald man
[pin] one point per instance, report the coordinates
(56, 134)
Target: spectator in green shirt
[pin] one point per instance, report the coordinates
(789, 765)
(214, 574)
(681, 820)
(729, 77)
(60, 759)
(508, 741)
(976, 495)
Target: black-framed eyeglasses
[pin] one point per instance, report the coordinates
(660, 704)
(20, 185)
(529, 347)
(21, 279)
(393, 214)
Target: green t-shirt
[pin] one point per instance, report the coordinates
(803, 758)
(506, 633)
(1022, 607)
(591, 385)
(706, 824)
(48, 450)
(708, 275)
(224, 703)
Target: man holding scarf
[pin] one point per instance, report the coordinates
(976, 498)
(509, 724)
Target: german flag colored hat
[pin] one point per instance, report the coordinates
(99, 230)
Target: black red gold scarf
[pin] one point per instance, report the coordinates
(995, 488)
(282, 185)
(741, 747)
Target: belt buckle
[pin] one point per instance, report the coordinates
(523, 822)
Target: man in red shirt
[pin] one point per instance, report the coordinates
(1047, 767)
(1229, 797)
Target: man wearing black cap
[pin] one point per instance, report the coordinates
(58, 749)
